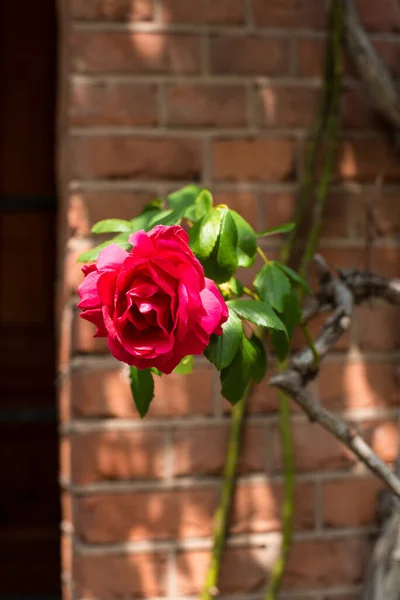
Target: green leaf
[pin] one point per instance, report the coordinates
(272, 285)
(249, 364)
(259, 368)
(257, 312)
(203, 204)
(295, 277)
(142, 387)
(222, 348)
(112, 226)
(274, 230)
(156, 204)
(156, 371)
(231, 288)
(247, 241)
(185, 366)
(204, 234)
(183, 198)
(227, 243)
(92, 254)
(142, 221)
(290, 316)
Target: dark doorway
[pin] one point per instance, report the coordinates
(29, 497)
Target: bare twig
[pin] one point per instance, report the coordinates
(371, 68)
(341, 293)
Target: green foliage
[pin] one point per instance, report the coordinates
(113, 226)
(204, 234)
(274, 230)
(227, 247)
(272, 285)
(185, 366)
(247, 241)
(142, 387)
(222, 348)
(290, 316)
(92, 254)
(258, 312)
(249, 364)
(223, 241)
(295, 277)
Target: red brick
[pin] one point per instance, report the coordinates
(112, 10)
(377, 328)
(244, 203)
(385, 206)
(365, 160)
(325, 451)
(132, 157)
(82, 330)
(355, 596)
(115, 455)
(86, 208)
(385, 17)
(245, 55)
(185, 513)
(289, 106)
(202, 451)
(207, 12)
(257, 508)
(206, 105)
(350, 503)
(263, 399)
(383, 437)
(390, 53)
(117, 52)
(310, 57)
(106, 393)
(65, 458)
(352, 385)
(254, 160)
(139, 516)
(111, 103)
(66, 554)
(242, 570)
(279, 208)
(356, 110)
(325, 563)
(105, 577)
(309, 14)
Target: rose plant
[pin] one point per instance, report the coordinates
(165, 288)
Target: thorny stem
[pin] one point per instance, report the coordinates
(328, 116)
(249, 292)
(220, 525)
(210, 589)
(263, 255)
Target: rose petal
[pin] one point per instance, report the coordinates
(111, 258)
(142, 244)
(88, 292)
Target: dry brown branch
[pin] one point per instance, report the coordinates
(340, 293)
(371, 68)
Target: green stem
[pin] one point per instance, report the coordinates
(278, 568)
(210, 589)
(327, 119)
(332, 127)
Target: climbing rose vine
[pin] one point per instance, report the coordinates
(165, 288)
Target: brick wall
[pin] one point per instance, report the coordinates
(155, 95)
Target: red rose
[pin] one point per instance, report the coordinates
(153, 303)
